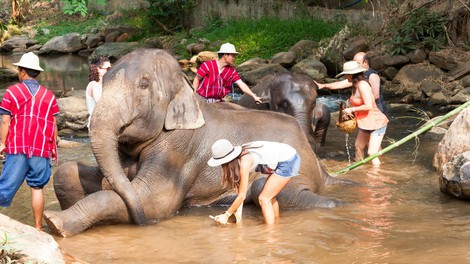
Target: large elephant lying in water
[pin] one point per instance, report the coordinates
(151, 136)
(294, 94)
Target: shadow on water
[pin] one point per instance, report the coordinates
(395, 214)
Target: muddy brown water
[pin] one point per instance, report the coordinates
(396, 214)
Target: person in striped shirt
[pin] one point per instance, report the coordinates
(214, 78)
(28, 133)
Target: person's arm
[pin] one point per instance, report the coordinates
(334, 85)
(374, 81)
(366, 94)
(4, 127)
(247, 91)
(196, 82)
(246, 162)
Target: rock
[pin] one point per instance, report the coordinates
(92, 40)
(303, 48)
(430, 87)
(112, 36)
(448, 59)
(204, 56)
(459, 72)
(8, 75)
(459, 98)
(19, 42)
(68, 43)
(123, 37)
(455, 178)
(254, 61)
(195, 48)
(34, 48)
(333, 62)
(285, 59)
(73, 112)
(413, 74)
(466, 81)
(455, 141)
(435, 133)
(389, 73)
(34, 245)
(115, 50)
(438, 98)
(359, 44)
(252, 77)
(313, 68)
(417, 56)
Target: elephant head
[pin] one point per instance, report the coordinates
(294, 94)
(137, 104)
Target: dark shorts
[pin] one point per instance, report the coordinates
(17, 168)
(289, 168)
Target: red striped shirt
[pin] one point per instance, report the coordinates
(213, 84)
(31, 130)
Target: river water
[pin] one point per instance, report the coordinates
(396, 214)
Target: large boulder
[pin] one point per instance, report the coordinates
(34, 246)
(448, 59)
(114, 50)
(455, 179)
(257, 71)
(413, 74)
(73, 112)
(8, 75)
(17, 43)
(455, 141)
(69, 43)
(313, 68)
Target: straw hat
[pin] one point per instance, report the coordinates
(222, 152)
(351, 67)
(227, 48)
(30, 61)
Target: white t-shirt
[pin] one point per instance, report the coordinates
(270, 153)
(90, 101)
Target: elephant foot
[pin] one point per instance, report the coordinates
(57, 225)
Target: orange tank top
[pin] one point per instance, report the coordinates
(368, 120)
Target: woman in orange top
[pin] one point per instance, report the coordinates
(372, 123)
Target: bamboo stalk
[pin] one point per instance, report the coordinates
(405, 139)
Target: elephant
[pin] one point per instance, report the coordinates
(294, 94)
(151, 136)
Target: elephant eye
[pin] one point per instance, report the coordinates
(284, 106)
(144, 82)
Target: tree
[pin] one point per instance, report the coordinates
(19, 11)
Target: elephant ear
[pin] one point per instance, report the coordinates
(183, 111)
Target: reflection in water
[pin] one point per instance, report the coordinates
(62, 73)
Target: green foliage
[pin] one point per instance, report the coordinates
(421, 29)
(78, 6)
(266, 36)
(172, 12)
(7, 253)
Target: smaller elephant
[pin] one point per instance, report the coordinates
(321, 117)
(294, 94)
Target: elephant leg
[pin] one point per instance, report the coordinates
(320, 135)
(100, 207)
(73, 181)
(296, 196)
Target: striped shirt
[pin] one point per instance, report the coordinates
(213, 84)
(32, 127)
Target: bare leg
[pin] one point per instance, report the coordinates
(275, 207)
(272, 187)
(374, 146)
(37, 203)
(361, 142)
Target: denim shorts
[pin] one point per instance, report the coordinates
(377, 132)
(17, 168)
(289, 168)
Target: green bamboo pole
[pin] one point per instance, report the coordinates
(405, 139)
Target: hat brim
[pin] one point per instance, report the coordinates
(216, 162)
(228, 52)
(351, 72)
(19, 64)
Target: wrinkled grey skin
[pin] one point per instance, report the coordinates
(321, 117)
(152, 136)
(294, 94)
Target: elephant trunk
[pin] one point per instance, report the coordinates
(304, 121)
(105, 147)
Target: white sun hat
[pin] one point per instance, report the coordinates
(227, 48)
(29, 60)
(351, 67)
(222, 152)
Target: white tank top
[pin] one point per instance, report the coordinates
(90, 102)
(270, 153)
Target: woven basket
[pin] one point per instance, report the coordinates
(345, 123)
(347, 126)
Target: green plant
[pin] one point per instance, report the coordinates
(78, 6)
(7, 253)
(421, 29)
(170, 15)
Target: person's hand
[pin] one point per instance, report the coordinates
(320, 85)
(222, 218)
(257, 99)
(54, 154)
(349, 111)
(2, 150)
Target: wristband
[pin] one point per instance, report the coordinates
(227, 214)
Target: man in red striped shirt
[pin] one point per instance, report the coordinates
(214, 78)
(28, 136)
